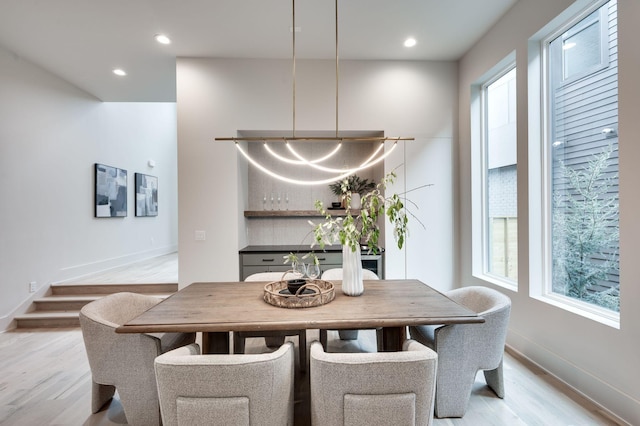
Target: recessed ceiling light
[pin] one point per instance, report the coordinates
(162, 39)
(120, 72)
(410, 42)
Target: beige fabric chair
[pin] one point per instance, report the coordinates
(371, 389)
(125, 361)
(272, 338)
(336, 274)
(226, 390)
(463, 349)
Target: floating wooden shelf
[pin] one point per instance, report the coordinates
(293, 213)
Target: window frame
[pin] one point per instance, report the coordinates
(540, 163)
(479, 170)
(576, 28)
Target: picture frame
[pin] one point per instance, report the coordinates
(146, 193)
(110, 196)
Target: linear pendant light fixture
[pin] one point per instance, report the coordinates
(297, 159)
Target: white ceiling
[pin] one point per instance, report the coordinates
(83, 40)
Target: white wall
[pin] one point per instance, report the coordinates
(51, 134)
(218, 97)
(599, 361)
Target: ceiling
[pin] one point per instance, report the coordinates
(82, 41)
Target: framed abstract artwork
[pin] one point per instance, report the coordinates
(146, 195)
(110, 192)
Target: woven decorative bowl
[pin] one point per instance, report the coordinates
(276, 294)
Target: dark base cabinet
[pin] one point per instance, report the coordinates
(254, 259)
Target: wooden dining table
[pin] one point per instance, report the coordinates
(217, 308)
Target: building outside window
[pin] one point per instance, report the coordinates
(582, 160)
(500, 212)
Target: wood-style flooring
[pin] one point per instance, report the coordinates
(160, 269)
(45, 380)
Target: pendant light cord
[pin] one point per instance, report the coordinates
(293, 48)
(293, 29)
(337, 68)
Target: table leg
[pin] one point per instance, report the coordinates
(393, 338)
(215, 342)
(323, 339)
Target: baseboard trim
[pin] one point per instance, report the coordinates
(8, 323)
(612, 402)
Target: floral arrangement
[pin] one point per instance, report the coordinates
(352, 184)
(363, 228)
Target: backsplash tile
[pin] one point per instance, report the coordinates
(261, 189)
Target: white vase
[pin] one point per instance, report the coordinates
(352, 284)
(356, 201)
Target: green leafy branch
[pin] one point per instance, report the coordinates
(363, 227)
(586, 231)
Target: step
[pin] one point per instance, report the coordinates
(144, 288)
(51, 319)
(63, 303)
(73, 303)
(62, 307)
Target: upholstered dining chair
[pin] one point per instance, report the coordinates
(369, 389)
(273, 339)
(464, 349)
(336, 274)
(226, 390)
(125, 361)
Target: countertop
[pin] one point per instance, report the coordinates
(295, 249)
(289, 249)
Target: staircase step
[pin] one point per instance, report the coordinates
(62, 307)
(63, 303)
(144, 288)
(48, 319)
(73, 303)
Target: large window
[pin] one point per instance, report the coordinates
(579, 195)
(495, 177)
(501, 211)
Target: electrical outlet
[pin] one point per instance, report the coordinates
(33, 287)
(201, 235)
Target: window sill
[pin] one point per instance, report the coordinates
(594, 313)
(499, 281)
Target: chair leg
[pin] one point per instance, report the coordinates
(495, 380)
(453, 393)
(100, 395)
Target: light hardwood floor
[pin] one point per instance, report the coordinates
(160, 269)
(45, 380)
